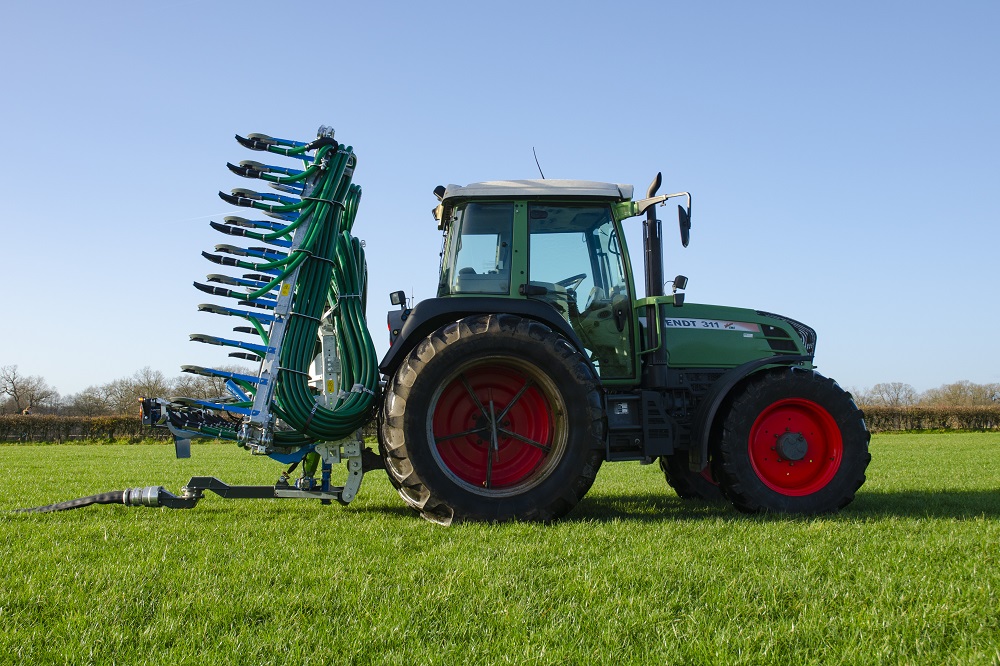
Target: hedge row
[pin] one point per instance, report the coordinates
(886, 419)
(52, 428)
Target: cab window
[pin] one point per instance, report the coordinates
(477, 251)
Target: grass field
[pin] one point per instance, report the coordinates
(908, 573)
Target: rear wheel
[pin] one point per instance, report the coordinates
(493, 417)
(793, 442)
(686, 483)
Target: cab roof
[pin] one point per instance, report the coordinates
(538, 188)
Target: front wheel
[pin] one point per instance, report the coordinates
(792, 442)
(495, 418)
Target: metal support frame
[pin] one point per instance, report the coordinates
(333, 453)
(256, 433)
(327, 366)
(350, 450)
(195, 490)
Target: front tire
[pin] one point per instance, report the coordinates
(492, 418)
(792, 442)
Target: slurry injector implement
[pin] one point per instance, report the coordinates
(499, 398)
(301, 290)
(317, 377)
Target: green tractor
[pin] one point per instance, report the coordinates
(500, 397)
(536, 362)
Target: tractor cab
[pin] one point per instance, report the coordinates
(551, 242)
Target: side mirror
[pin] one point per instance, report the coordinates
(680, 282)
(684, 221)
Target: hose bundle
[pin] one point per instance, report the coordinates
(307, 282)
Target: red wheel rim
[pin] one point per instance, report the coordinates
(494, 427)
(786, 430)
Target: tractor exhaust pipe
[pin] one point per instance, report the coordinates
(652, 243)
(655, 367)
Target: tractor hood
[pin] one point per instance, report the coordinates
(698, 335)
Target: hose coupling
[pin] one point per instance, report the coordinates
(148, 496)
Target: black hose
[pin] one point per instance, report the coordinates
(113, 497)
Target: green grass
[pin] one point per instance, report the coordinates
(908, 573)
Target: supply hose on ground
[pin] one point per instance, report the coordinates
(113, 497)
(148, 496)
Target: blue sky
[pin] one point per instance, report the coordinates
(844, 157)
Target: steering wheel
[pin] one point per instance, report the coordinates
(571, 283)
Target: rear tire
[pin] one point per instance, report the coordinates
(688, 484)
(492, 418)
(792, 442)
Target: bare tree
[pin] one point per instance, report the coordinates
(122, 395)
(893, 394)
(191, 386)
(148, 383)
(91, 401)
(862, 396)
(119, 395)
(961, 394)
(25, 392)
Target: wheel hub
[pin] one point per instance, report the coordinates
(792, 446)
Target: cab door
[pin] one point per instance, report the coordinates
(575, 264)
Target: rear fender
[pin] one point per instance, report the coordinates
(429, 315)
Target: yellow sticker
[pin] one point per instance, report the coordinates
(330, 386)
(286, 289)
